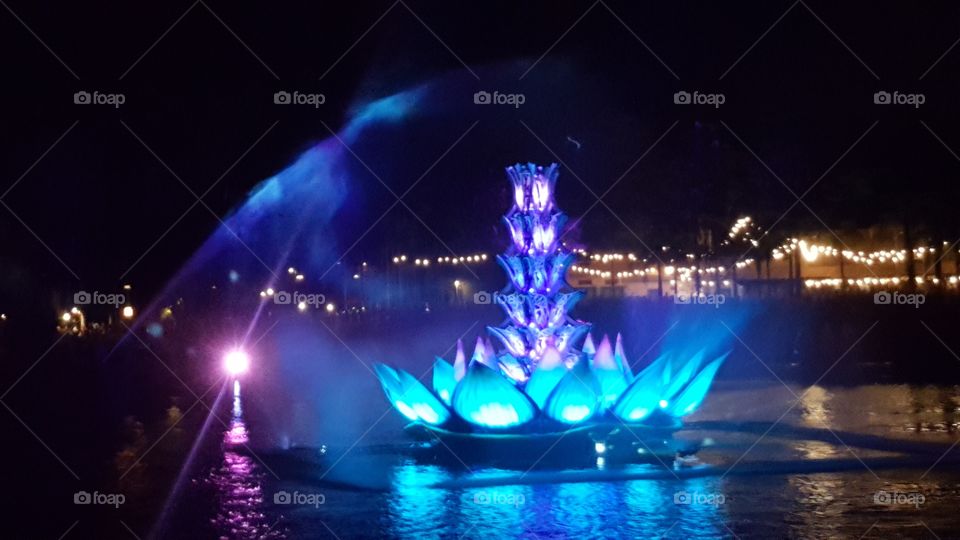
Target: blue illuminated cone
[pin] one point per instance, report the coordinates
(536, 264)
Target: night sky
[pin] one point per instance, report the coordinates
(96, 186)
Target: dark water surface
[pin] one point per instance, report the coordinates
(240, 494)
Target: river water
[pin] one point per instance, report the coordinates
(780, 461)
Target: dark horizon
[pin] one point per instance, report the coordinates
(200, 100)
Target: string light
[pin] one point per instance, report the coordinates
(425, 261)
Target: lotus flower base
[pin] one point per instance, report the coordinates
(573, 447)
(598, 393)
(548, 380)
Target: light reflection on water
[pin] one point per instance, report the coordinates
(569, 510)
(238, 482)
(809, 505)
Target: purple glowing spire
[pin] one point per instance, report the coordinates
(536, 263)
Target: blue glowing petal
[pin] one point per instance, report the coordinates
(515, 307)
(545, 377)
(489, 352)
(642, 397)
(483, 354)
(424, 403)
(562, 303)
(657, 366)
(485, 398)
(515, 225)
(410, 397)
(538, 306)
(512, 368)
(539, 339)
(537, 269)
(511, 338)
(684, 375)
(444, 380)
(513, 266)
(577, 397)
(394, 390)
(621, 359)
(588, 346)
(569, 334)
(666, 375)
(388, 377)
(612, 380)
(559, 264)
(693, 395)
(460, 362)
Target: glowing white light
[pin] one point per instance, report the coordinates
(236, 362)
(127, 312)
(575, 413)
(65, 317)
(302, 306)
(330, 308)
(405, 410)
(495, 415)
(600, 447)
(299, 277)
(663, 404)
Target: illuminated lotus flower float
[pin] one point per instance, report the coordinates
(549, 375)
